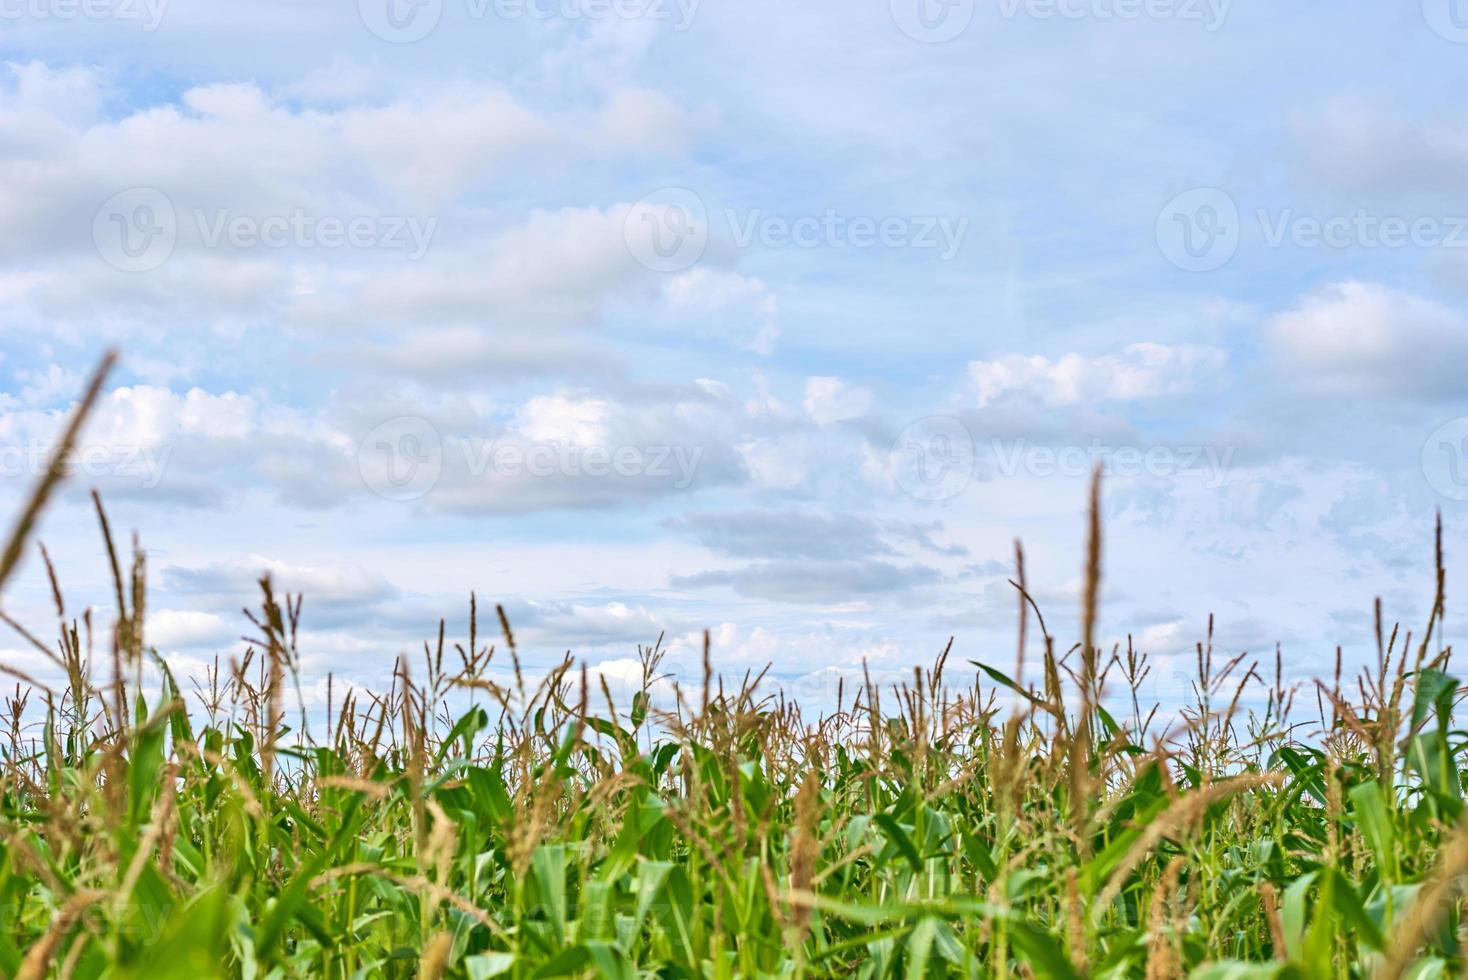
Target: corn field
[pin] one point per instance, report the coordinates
(1027, 816)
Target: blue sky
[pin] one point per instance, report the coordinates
(783, 320)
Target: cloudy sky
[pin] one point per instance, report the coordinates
(780, 319)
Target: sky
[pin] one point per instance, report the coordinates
(780, 320)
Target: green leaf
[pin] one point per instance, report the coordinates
(610, 962)
(482, 966)
(900, 838)
(1235, 970)
(548, 866)
(472, 723)
(1369, 807)
(920, 947)
(1042, 951)
(291, 901)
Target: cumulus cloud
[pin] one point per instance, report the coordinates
(788, 534)
(578, 421)
(182, 629)
(726, 303)
(588, 623)
(796, 534)
(822, 657)
(468, 355)
(585, 450)
(558, 270)
(235, 155)
(829, 400)
(641, 120)
(561, 449)
(1354, 146)
(814, 582)
(1360, 338)
(235, 145)
(326, 585)
(142, 439)
(1138, 371)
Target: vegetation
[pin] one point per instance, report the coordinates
(994, 827)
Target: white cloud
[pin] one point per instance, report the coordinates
(235, 146)
(340, 81)
(467, 355)
(324, 585)
(174, 629)
(1359, 338)
(1138, 371)
(141, 438)
(432, 150)
(149, 416)
(43, 387)
(641, 120)
(49, 98)
(778, 463)
(1354, 146)
(592, 450)
(238, 150)
(559, 449)
(829, 400)
(557, 269)
(732, 646)
(624, 680)
(744, 306)
(1163, 639)
(562, 419)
